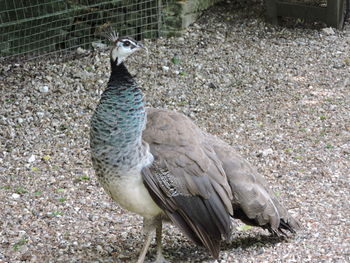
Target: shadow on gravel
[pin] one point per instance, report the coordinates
(192, 253)
(257, 241)
(176, 250)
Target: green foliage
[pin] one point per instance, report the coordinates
(20, 243)
(175, 60)
(62, 199)
(244, 228)
(21, 190)
(55, 213)
(182, 103)
(84, 178)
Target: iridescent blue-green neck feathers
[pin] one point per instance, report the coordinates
(120, 117)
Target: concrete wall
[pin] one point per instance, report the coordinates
(180, 14)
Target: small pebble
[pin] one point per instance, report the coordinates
(80, 51)
(15, 196)
(20, 120)
(265, 152)
(44, 89)
(181, 39)
(40, 114)
(165, 68)
(328, 31)
(31, 158)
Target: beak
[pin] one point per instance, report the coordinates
(141, 46)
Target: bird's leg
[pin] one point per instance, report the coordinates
(149, 224)
(145, 247)
(160, 257)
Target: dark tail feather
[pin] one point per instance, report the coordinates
(291, 225)
(285, 225)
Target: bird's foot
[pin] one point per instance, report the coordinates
(161, 259)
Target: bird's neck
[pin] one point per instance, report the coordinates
(119, 74)
(120, 116)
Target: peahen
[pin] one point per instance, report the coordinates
(160, 165)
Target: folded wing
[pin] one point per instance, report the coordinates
(196, 174)
(187, 179)
(254, 202)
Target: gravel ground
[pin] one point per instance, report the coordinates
(279, 95)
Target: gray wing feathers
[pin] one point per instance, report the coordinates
(251, 192)
(199, 181)
(191, 160)
(187, 179)
(204, 220)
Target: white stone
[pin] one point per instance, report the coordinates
(44, 89)
(80, 50)
(15, 196)
(99, 249)
(31, 158)
(20, 120)
(333, 107)
(40, 114)
(165, 68)
(181, 39)
(265, 152)
(328, 31)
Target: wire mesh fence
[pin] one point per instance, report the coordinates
(32, 28)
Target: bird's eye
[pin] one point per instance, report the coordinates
(126, 43)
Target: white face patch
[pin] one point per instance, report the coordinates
(123, 49)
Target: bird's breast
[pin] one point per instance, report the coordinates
(131, 194)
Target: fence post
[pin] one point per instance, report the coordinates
(271, 11)
(335, 14)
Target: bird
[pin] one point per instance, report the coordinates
(160, 165)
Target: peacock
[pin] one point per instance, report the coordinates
(159, 164)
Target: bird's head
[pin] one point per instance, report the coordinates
(123, 47)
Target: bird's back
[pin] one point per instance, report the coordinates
(253, 202)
